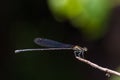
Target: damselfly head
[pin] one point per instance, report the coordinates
(84, 48)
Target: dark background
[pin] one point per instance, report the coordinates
(21, 21)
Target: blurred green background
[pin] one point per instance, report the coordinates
(94, 24)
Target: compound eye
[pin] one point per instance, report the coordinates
(85, 49)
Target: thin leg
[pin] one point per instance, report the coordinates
(79, 53)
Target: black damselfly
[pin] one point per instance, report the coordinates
(54, 45)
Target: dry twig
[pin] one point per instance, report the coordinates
(108, 71)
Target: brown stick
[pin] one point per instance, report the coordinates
(108, 71)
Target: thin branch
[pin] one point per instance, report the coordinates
(108, 71)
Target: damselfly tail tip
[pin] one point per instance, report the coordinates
(17, 51)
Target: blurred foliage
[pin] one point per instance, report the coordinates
(115, 3)
(65, 8)
(89, 16)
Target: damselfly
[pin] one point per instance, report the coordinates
(54, 45)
